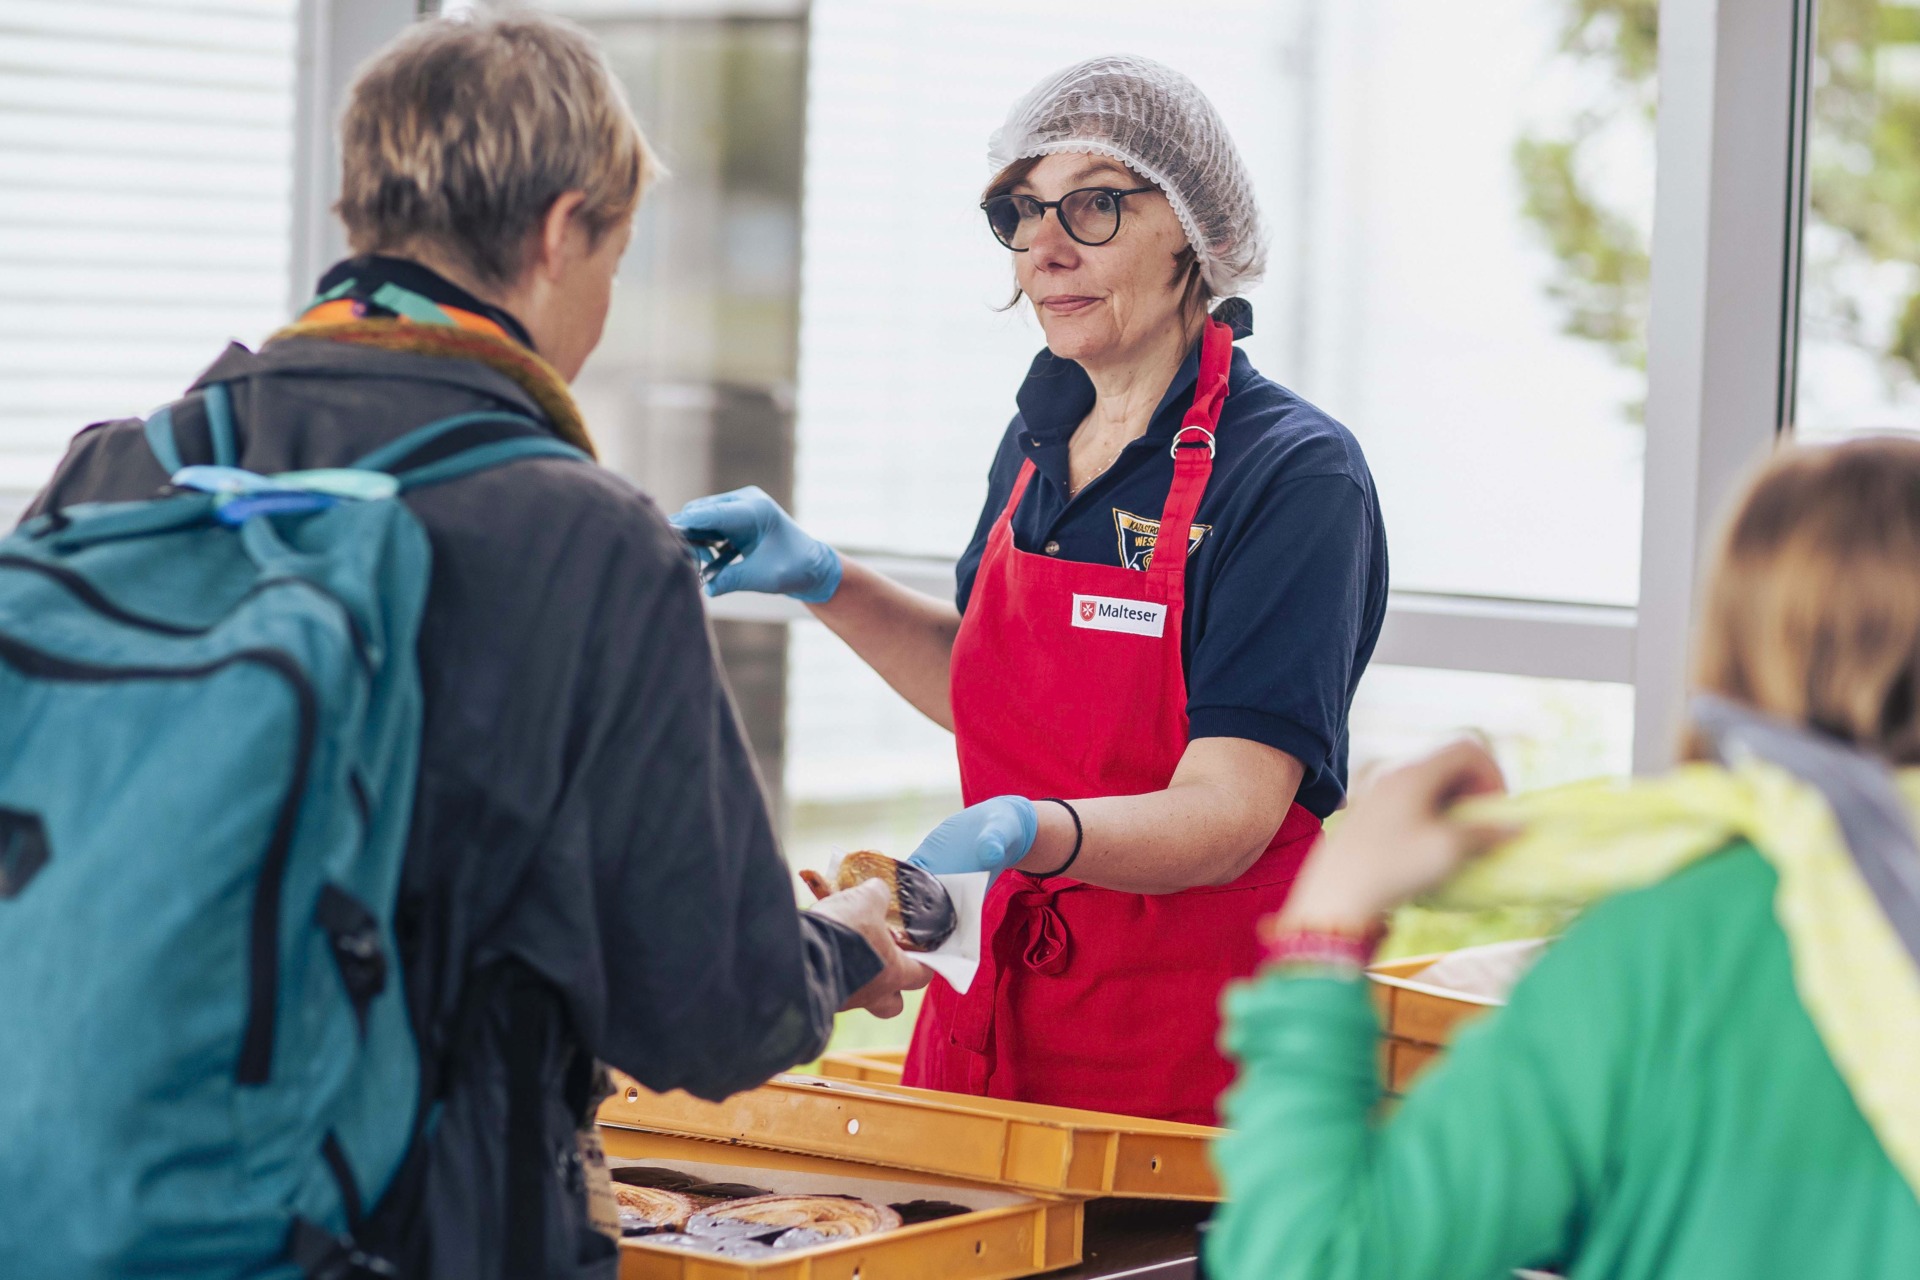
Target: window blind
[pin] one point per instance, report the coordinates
(145, 205)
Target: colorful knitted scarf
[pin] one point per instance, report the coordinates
(454, 342)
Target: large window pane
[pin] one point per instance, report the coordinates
(1543, 732)
(691, 389)
(145, 207)
(866, 771)
(1474, 207)
(1860, 296)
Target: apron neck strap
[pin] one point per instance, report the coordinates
(1193, 448)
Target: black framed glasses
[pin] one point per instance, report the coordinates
(1091, 215)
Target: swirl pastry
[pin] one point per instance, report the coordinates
(701, 1194)
(922, 914)
(726, 1248)
(645, 1209)
(824, 1218)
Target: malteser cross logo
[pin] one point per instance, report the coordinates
(1108, 613)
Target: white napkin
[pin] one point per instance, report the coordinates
(958, 958)
(1490, 971)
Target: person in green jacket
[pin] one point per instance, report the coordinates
(1714, 1075)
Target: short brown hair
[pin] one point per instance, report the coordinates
(1813, 607)
(462, 133)
(1195, 296)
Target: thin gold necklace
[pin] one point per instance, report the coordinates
(1076, 490)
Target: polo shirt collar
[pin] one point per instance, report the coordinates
(1057, 394)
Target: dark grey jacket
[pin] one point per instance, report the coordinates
(587, 802)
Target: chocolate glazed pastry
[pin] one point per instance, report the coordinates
(650, 1175)
(914, 1212)
(713, 1192)
(922, 913)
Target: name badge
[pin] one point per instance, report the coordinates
(1105, 613)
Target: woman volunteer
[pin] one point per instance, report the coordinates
(1176, 581)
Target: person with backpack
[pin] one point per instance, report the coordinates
(367, 778)
(1713, 1073)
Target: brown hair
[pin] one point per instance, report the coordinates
(1813, 607)
(462, 133)
(1195, 297)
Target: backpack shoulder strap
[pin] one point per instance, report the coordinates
(218, 403)
(531, 442)
(160, 439)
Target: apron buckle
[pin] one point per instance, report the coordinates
(1181, 442)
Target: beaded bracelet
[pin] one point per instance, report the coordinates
(1324, 948)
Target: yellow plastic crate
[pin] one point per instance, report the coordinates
(987, 1140)
(872, 1066)
(1012, 1234)
(1417, 1020)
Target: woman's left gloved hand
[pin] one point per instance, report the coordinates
(776, 555)
(990, 836)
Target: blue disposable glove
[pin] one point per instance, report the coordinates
(990, 836)
(776, 555)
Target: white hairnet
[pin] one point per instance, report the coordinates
(1157, 122)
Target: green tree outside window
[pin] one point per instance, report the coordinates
(1863, 170)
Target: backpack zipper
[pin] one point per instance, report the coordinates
(263, 939)
(89, 595)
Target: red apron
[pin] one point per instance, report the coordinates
(1068, 681)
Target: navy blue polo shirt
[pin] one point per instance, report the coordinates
(1287, 585)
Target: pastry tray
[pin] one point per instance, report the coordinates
(984, 1140)
(873, 1066)
(1417, 1019)
(1008, 1233)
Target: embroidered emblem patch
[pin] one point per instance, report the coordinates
(1138, 534)
(1107, 613)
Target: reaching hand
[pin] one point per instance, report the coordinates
(1397, 841)
(863, 909)
(776, 555)
(990, 836)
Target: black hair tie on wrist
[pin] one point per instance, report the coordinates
(1079, 836)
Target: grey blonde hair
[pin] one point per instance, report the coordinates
(1813, 608)
(461, 134)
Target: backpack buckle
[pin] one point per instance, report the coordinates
(321, 1255)
(354, 933)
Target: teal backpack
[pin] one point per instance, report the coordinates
(210, 721)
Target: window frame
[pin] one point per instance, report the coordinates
(336, 36)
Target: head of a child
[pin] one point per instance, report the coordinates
(1812, 610)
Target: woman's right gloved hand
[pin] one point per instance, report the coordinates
(777, 556)
(990, 836)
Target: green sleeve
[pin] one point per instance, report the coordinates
(1484, 1167)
